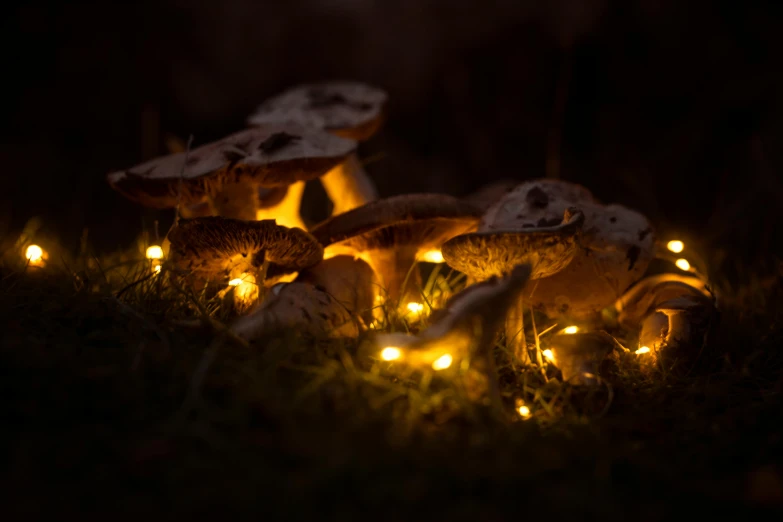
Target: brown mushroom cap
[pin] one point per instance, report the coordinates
(213, 247)
(348, 109)
(494, 253)
(421, 220)
(615, 247)
(276, 154)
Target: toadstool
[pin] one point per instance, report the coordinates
(229, 172)
(615, 247)
(392, 234)
(348, 109)
(300, 306)
(220, 250)
(486, 253)
(465, 327)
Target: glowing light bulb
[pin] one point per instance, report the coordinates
(643, 349)
(442, 362)
(675, 246)
(683, 264)
(571, 330)
(522, 409)
(34, 254)
(235, 282)
(432, 256)
(154, 252)
(156, 268)
(415, 308)
(548, 354)
(391, 353)
(245, 288)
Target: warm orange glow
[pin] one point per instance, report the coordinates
(415, 308)
(245, 288)
(522, 409)
(35, 255)
(154, 252)
(432, 256)
(571, 330)
(643, 349)
(675, 246)
(442, 362)
(683, 264)
(548, 354)
(391, 353)
(156, 268)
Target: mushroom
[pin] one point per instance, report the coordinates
(392, 234)
(301, 306)
(229, 172)
(674, 313)
(221, 250)
(578, 356)
(615, 247)
(486, 253)
(466, 326)
(351, 282)
(348, 109)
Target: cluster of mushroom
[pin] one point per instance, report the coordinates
(241, 230)
(545, 243)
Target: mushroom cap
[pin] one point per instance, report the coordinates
(547, 249)
(535, 203)
(302, 306)
(212, 247)
(423, 221)
(349, 109)
(276, 154)
(616, 247)
(351, 282)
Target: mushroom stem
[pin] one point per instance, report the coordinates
(348, 186)
(237, 200)
(392, 267)
(515, 332)
(286, 211)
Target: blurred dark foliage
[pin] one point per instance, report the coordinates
(671, 107)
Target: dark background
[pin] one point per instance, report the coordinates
(668, 106)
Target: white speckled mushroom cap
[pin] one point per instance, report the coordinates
(350, 109)
(615, 247)
(276, 154)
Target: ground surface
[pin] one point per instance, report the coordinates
(113, 407)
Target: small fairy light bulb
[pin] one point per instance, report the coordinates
(548, 354)
(35, 255)
(683, 264)
(442, 362)
(570, 330)
(642, 350)
(522, 409)
(675, 246)
(156, 268)
(432, 256)
(154, 252)
(415, 308)
(235, 282)
(391, 353)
